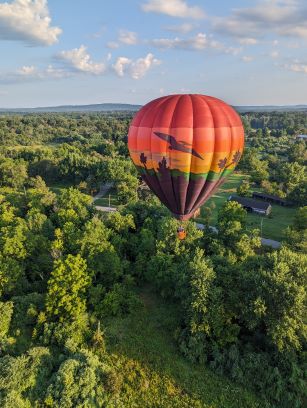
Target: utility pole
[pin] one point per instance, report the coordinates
(109, 200)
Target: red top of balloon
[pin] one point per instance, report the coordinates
(187, 111)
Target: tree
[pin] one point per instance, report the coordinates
(273, 188)
(39, 196)
(73, 206)
(210, 316)
(237, 244)
(293, 174)
(79, 382)
(103, 262)
(127, 189)
(259, 171)
(6, 311)
(273, 297)
(24, 376)
(297, 152)
(243, 188)
(296, 235)
(13, 173)
(231, 218)
(299, 193)
(66, 289)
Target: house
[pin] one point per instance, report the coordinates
(301, 137)
(270, 198)
(251, 205)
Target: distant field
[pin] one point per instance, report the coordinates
(272, 226)
(145, 341)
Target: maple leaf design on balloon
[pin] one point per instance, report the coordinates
(143, 159)
(236, 157)
(222, 163)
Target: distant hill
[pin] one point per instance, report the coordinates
(272, 108)
(101, 107)
(117, 107)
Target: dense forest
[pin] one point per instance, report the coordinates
(74, 280)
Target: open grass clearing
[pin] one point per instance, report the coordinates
(146, 338)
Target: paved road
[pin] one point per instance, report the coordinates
(264, 241)
(105, 209)
(271, 243)
(104, 189)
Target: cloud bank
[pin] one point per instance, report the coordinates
(27, 21)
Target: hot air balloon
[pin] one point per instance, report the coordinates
(184, 147)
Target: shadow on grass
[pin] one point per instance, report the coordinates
(147, 337)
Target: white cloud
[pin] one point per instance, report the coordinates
(128, 37)
(120, 65)
(248, 41)
(113, 45)
(274, 54)
(142, 65)
(80, 60)
(199, 42)
(182, 28)
(135, 68)
(31, 73)
(281, 17)
(28, 21)
(247, 58)
(296, 66)
(174, 8)
(27, 70)
(55, 72)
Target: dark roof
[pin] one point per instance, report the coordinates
(251, 203)
(269, 196)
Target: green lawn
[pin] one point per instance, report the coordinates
(104, 201)
(57, 186)
(145, 341)
(272, 226)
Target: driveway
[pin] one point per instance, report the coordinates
(264, 241)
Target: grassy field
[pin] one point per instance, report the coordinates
(272, 226)
(145, 341)
(104, 201)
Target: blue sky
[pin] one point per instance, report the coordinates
(77, 52)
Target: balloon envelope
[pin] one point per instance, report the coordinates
(184, 147)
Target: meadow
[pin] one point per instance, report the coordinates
(273, 226)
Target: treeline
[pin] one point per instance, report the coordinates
(281, 175)
(80, 128)
(277, 123)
